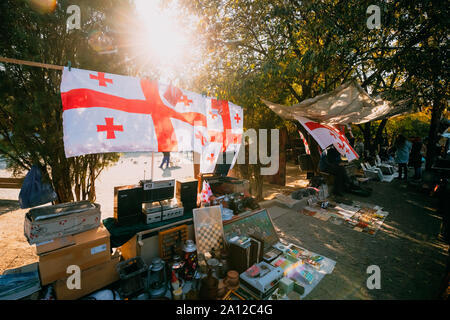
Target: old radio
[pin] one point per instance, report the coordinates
(128, 200)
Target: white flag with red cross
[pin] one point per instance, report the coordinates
(326, 136)
(305, 142)
(205, 194)
(105, 112)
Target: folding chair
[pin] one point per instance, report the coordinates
(372, 173)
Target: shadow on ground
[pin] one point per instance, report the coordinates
(411, 258)
(8, 205)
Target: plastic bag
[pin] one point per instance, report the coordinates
(33, 192)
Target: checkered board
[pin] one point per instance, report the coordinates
(208, 229)
(209, 237)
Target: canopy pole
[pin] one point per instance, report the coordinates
(153, 161)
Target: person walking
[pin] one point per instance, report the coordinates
(403, 147)
(166, 159)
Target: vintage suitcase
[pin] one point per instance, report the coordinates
(56, 221)
(243, 256)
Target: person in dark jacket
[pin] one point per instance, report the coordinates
(415, 158)
(331, 163)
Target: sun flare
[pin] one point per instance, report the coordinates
(165, 41)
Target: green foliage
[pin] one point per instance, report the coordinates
(414, 125)
(288, 51)
(30, 105)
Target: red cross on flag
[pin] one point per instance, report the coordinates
(326, 136)
(105, 112)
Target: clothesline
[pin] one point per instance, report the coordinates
(31, 63)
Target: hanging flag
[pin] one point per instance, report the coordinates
(223, 134)
(205, 194)
(105, 112)
(304, 142)
(326, 136)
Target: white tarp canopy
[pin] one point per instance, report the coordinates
(349, 103)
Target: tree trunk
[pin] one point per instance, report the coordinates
(258, 178)
(91, 192)
(367, 134)
(436, 113)
(62, 184)
(378, 136)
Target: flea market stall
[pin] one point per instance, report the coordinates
(203, 237)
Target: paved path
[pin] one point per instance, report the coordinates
(411, 259)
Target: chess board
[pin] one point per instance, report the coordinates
(208, 229)
(209, 237)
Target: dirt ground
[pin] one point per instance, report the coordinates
(411, 258)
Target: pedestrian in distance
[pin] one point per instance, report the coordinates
(403, 148)
(166, 160)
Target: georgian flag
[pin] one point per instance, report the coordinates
(104, 112)
(305, 142)
(205, 194)
(326, 135)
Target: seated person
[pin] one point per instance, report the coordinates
(330, 162)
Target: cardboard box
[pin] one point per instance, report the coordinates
(92, 279)
(54, 244)
(55, 221)
(90, 249)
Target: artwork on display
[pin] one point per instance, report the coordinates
(256, 224)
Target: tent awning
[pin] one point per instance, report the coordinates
(349, 103)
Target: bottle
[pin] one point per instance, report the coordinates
(190, 259)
